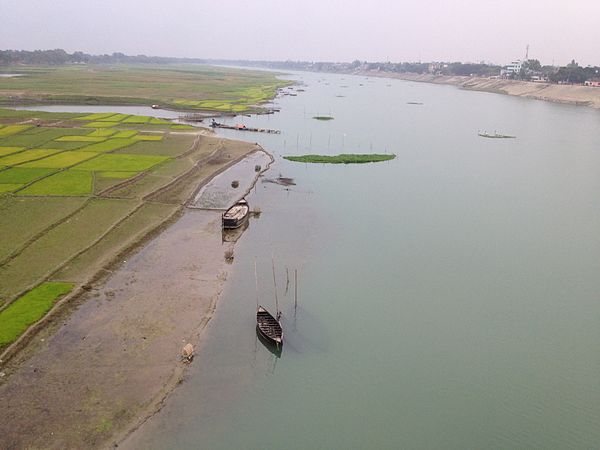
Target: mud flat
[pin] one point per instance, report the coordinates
(108, 358)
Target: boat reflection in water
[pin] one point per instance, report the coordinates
(233, 234)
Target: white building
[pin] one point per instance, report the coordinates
(513, 68)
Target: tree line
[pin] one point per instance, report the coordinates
(571, 73)
(59, 57)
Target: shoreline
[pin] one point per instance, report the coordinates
(27, 353)
(556, 93)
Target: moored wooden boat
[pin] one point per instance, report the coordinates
(269, 327)
(237, 215)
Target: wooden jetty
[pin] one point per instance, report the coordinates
(192, 117)
(242, 127)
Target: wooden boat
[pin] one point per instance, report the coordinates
(268, 327)
(495, 135)
(237, 215)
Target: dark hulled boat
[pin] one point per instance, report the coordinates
(237, 215)
(269, 327)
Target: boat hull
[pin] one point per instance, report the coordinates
(269, 328)
(236, 216)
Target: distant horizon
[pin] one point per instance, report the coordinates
(335, 30)
(110, 53)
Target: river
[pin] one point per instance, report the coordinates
(447, 299)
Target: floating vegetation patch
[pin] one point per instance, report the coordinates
(341, 159)
(323, 117)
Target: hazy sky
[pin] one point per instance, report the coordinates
(376, 30)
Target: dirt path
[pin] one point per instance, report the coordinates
(117, 356)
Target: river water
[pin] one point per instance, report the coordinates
(447, 299)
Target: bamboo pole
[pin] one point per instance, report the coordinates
(295, 290)
(275, 285)
(256, 282)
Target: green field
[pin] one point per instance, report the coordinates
(77, 189)
(28, 309)
(67, 183)
(21, 175)
(27, 155)
(61, 160)
(341, 159)
(122, 162)
(86, 138)
(184, 86)
(109, 145)
(9, 150)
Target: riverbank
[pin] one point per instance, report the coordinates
(109, 354)
(557, 93)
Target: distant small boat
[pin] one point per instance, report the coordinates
(235, 216)
(495, 135)
(269, 327)
(155, 106)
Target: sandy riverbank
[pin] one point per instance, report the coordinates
(573, 95)
(111, 355)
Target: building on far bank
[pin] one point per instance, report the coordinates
(514, 68)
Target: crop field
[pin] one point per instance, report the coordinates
(109, 145)
(9, 150)
(28, 309)
(61, 160)
(86, 138)
(27, 155)
(13, 129)
(185, 86)
(102, 133)
(21, 175)
(65, 183)
(76, 189)
(122, 162)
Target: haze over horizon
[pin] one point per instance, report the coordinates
(380, 30)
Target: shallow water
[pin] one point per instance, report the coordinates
(447, 299)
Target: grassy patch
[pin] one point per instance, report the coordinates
(102, 133)
(28, 309)
(137, 119)
(109, 145)
(172, 145)
(148, 137)
(62, 160)
(187, 86)
(65, 145)
(61, 243)
(66, 183)
(9, 187)
(323, 117)
(95, 116)
(9, 150)
(122, 163)
(81, 139)
(114, 118)
(157, 121)
(21, 218)
(27, 155)
(183, 127)
(119, 175)
(125, 134)
(13, 129)
(340, 159)
(101, 124)
(21, 175)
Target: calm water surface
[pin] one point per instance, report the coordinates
(448, 299)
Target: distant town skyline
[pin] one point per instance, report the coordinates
(430, 30)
